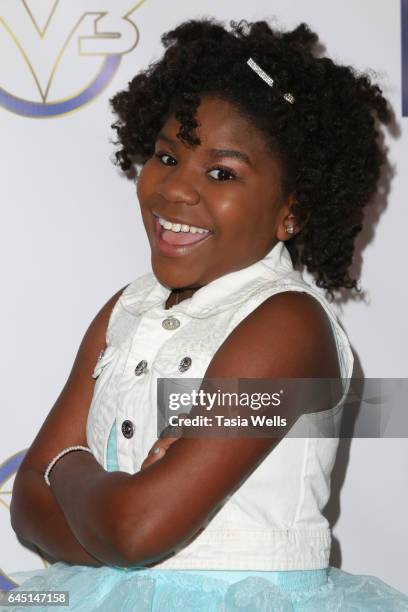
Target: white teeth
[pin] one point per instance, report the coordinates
(179, 227)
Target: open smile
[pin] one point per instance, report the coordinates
(176, 244)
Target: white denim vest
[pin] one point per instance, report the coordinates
(274, 520)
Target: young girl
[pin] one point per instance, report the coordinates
(255, 155)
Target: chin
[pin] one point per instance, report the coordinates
(172, 274)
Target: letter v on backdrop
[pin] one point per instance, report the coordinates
(63, 53)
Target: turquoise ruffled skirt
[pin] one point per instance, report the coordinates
(108, 589)
(111, 589)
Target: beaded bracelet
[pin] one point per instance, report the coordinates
(57, 457)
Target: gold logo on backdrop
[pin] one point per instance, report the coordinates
(61, 42)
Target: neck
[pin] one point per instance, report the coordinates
(178, 295)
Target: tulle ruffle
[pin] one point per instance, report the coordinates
(108, 589)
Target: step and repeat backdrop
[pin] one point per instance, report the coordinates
(71, 231)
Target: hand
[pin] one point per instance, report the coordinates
(157, 451)
(168, 436)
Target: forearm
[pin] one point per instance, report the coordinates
(38, 520)
(94, 502)
(109, 511)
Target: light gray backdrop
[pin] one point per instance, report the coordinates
(71, 236)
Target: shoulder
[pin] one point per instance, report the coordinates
(288, 334)
(295, 310)
(290, 303)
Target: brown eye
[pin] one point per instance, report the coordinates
(160, 157)
(226, 175)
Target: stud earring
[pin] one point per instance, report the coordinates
(290, 228)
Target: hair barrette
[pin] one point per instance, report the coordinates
(268, 79)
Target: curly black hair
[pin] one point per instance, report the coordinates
(328, 140)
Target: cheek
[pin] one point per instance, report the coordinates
(256, 226)
(241, 231)
(233, 214)
(145, 182)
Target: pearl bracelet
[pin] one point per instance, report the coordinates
(58, 457)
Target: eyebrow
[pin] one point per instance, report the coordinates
(233, 153)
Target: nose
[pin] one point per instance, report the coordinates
(178, 186)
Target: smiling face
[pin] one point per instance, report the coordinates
(230, 184)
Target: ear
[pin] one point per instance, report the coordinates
(287, 225)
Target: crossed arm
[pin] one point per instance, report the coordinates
(93, 517)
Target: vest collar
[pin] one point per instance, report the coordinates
(148, 294)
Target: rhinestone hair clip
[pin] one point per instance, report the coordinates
(268, 79)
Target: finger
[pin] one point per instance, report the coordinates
(146, 463)
(157, 452)
(151, 458)
(154, 455)
(167, 442)
(162, 443)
